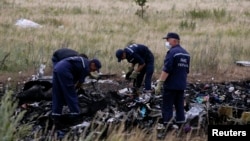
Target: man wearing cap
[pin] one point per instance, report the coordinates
(66, 74)
(173, 79)
(141, 55)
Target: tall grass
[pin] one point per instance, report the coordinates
(10, 128)
(215, 37)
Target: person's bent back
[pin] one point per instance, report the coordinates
(62, 53)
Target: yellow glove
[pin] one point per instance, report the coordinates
(159, 87)
(134, 75)
(94, 75)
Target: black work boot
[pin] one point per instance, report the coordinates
(75, 119)
(56, 122)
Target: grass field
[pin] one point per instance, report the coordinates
(216, 33)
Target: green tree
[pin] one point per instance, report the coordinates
(141, 3)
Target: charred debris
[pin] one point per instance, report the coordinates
(107, 103)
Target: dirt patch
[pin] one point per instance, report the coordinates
(235, 73)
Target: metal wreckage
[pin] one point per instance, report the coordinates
(107, 104)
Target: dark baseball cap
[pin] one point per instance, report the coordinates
(97, 64)
(118, 54)
(172, 35)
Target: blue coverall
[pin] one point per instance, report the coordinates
(138, 53)
(176, 64)
(63, 53)
(65, 75)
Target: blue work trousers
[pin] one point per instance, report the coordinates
(64, 93)
(146, 72)
(173, 99)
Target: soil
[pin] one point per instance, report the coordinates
(235, 73)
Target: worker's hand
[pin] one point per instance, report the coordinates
(130, 69)
(94, 75)
(78, 85)
(159, 87)
(134, 75)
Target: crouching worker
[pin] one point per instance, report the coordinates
(62, 53)
(66, 74)
(142, 56)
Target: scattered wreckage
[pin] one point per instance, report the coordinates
(107, 103)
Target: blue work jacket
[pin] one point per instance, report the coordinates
(138, 53)
(176, 64)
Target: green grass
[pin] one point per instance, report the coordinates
(10, 126)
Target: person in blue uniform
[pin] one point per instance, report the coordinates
(173, 79)
(62, 53)
(142, 56)
(66, 74)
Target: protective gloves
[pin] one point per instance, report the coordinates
(134, 75)
(130, 69)
(159, 87)
(94, 75)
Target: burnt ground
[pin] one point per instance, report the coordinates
(235, 74)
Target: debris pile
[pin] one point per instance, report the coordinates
(106, 104)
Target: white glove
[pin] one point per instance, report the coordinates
(159, 87)
(94, 75)
(134, 75)
(130, 69)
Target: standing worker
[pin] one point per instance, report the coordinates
(66, 74)
(173, 80)
(141, 55)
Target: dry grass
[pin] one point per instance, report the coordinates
(215, 33)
